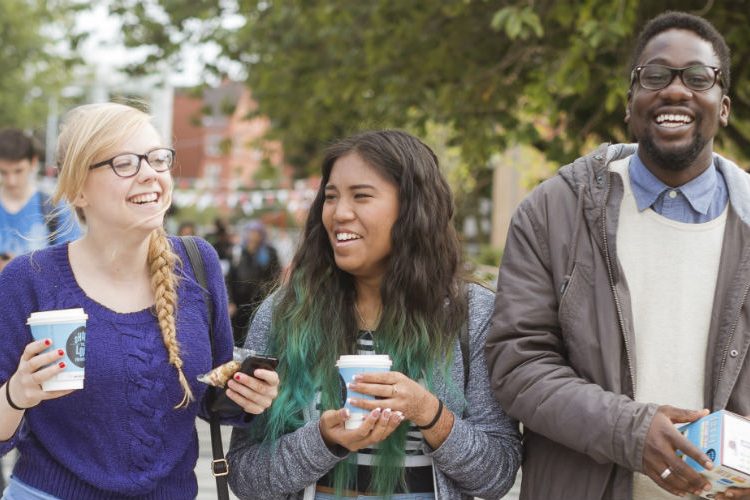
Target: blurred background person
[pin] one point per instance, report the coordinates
(251, 276)
(221, 239)
(28, 219)
(186, 228)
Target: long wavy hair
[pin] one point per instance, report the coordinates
(90, 132)
(422, 292)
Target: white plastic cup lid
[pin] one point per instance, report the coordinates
(374, 360)
(57, 316)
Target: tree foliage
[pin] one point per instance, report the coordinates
(32, 32)
(548, 73)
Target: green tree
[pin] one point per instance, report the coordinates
(549, 73)
(32, 32)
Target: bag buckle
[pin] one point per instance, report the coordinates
(219, 467)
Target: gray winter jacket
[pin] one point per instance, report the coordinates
(561, 346)
(479, 458)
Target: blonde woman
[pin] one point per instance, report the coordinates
(130, 432)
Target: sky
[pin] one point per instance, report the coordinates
(104, 50)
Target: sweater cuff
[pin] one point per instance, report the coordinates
(315, 449)
(454, 448)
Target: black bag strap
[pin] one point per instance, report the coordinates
(463, 340)
(219, 466)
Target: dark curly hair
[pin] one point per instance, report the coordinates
(684, 21)
(423, 294)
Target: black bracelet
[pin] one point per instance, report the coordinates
(10, 401)
(434, 420)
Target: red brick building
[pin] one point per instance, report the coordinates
(221, 144)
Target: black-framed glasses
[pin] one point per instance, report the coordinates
(658, 76)
(129, 164)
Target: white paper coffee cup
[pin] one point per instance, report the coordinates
(67, 330)
(351, 365)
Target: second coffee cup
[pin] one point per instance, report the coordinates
(351, 365)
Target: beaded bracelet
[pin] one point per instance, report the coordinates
(10, 401)
(434, 420)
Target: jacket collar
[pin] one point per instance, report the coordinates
(591, 173)
(738, 184)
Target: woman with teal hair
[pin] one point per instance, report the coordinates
(378, 271)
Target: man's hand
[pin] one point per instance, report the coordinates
(660, 460)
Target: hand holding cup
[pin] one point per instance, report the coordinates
(376, 426)
(396, 391)
(37, 366)
(349, 367)
(66, 330)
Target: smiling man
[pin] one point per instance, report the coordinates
(621, 307)
(28, 221)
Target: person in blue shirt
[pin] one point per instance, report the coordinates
(28, 219)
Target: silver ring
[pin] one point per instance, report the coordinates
(667, 472)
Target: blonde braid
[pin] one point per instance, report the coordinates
(161, 262)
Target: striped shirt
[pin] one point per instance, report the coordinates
(418, 465)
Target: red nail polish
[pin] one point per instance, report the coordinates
(47, 342)
(61, 364)
(60, 352)
(237, 377)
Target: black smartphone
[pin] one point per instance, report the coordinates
(221, 403)
(255, 361)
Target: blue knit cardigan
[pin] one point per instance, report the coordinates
(119, 436)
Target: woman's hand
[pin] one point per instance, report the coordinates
(26, 384)
(377, 426)
(254, 394)
(396, 391)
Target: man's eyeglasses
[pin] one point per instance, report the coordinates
(129, 164)
(658, 76)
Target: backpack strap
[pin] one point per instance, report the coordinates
(463, 340)
(219, 466)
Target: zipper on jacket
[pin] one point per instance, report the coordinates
(564, 286)
(618, 306)
(731, 337)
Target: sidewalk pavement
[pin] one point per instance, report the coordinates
(206, 482)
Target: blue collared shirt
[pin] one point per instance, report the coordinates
(700, 200)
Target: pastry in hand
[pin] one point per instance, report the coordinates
(219, 376)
